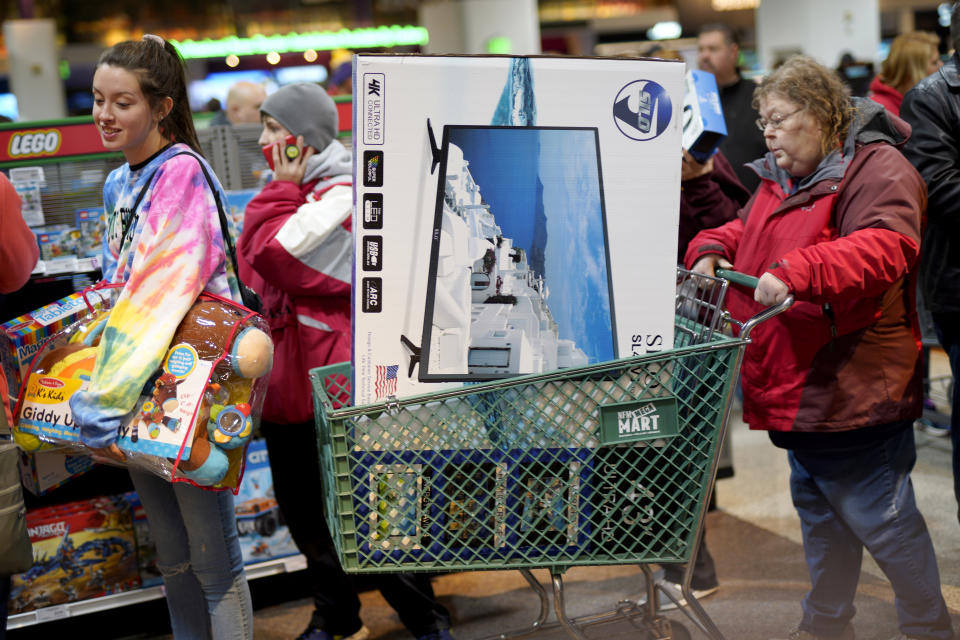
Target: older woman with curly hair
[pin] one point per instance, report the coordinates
(913, 56)
(835, 380)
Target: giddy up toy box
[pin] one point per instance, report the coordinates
(514, 215)
(703, 125)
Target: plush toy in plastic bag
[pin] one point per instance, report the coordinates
(195, 414)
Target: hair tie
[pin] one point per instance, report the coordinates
(155, 38)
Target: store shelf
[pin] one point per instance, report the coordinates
(62, 266)
(275, 566)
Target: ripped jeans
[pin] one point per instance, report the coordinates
(199, 556)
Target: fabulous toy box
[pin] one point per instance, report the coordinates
(513, 215)
(22, 337)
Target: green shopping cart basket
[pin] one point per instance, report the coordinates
(609, 463)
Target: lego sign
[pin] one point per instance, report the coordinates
(57, 141)
(28, 144)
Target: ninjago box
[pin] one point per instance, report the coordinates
(81, 550)
(514, 215)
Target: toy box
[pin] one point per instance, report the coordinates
(81, 550)
(510, 225)
(90, 223)
(22, 337)
(195, 413)
(146, 547)
(57, 241)
(703, 125)
(260, 526)
(43, 471)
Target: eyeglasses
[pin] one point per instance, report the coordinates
(776, 123)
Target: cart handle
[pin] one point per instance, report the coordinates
(766, 314)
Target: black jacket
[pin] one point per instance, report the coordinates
(932, 108)
(743, 143)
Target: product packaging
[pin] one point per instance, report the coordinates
(703, 125)
(81, 550)
(263, 534)
(515, 215)
(196, 413)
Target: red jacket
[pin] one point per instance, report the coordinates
(886, 95)
(846, 242)
(296, 251)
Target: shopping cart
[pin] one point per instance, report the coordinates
(606, 464)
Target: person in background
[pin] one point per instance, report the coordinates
(140, 108)
(855, 74)
(913, 56)
(18, 256)
(710, 195)
(835, 379)
(718, 51)
(932, 107)
(243, 104)
(296, 251)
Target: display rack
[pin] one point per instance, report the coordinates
(276, 566)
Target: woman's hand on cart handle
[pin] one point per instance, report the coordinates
(708, 264)
(771, 290)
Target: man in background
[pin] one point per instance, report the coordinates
(243, 104)
(932, 108)
(718, 51)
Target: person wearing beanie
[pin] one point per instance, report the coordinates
(296, 251)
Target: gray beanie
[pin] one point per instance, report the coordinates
(305, 110)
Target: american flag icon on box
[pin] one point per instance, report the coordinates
(386, 381)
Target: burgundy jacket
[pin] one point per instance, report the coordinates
(709, 201)
(846, 241)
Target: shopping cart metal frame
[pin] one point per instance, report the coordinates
(373, 490)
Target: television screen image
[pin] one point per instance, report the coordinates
(518, 273)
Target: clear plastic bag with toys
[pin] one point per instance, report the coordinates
(195, 415)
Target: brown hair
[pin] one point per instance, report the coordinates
(161, 73)
(816, 89)
(906, 64)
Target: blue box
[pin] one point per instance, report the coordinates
(703, 124)
(263, 534)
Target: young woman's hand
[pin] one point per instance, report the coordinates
(111, 453)
(291, 170)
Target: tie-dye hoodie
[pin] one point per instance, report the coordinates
(174, 251)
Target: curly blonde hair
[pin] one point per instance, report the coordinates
(906, 64)
(816, 89)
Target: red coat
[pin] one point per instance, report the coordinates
(296, 251)
(886, 95)
(847, 354)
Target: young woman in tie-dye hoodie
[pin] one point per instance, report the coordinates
(165, 252)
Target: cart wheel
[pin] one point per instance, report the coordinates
(677, 631)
